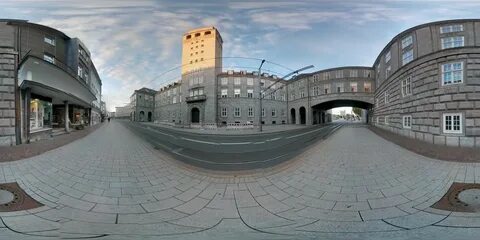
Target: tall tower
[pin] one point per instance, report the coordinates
(202, 48)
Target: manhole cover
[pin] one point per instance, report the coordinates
(6, 196)
(13, 198)
(460, 197)
(470, 197)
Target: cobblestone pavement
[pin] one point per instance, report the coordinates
(354, 185)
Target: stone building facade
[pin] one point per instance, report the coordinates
(48, 79)
(142, 105)
(425, 84)
(428, 80)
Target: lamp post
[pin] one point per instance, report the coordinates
(260, 95)
(266, 89)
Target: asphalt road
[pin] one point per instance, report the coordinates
(231, 152)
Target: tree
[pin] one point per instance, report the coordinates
(357, 111)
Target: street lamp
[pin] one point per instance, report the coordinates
(260, 92)
(266, 89)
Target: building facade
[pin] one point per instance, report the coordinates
(142, 103)
(425, 84)
(50, 82)
(428, 80)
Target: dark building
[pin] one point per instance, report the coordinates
(49, 83)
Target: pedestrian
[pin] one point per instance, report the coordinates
(108, 119)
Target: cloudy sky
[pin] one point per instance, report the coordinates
(135, 43)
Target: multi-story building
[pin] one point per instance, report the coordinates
(425, 84)
(142, 103)
(202, 49)
(48, 81)
(124, 112)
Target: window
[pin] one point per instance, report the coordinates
(196, 92)
(302, 94)
(237, 112)
(453, 42)
(49, 39)
(327, 88)
(388, 56)
(353, 73)
(407, 41)
(326, 76)
(386, 97)
(452, 73)
(407, 86)
(407, 56)
(263, 112)
(407, 122)
(452, 123)
(250, 111)
(174, 99)
(314, 91)
(40, 112)
(250, 81)
(274, 112)
(250, 93)
(197, 35)
(236, 92)
(451, 28)
(367, 87)
(168, 92)
(49, 58)
(378, 119)
(237, 81)
(224, 93)
(353, 87)
(207, 33)
(224, 112)
(189, 36)
(339, 74)
(224, 81)
(386, 120)
(339, 87)
(367, 74)
(387, 71)
(80, 71)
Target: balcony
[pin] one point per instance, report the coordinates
(197, 98)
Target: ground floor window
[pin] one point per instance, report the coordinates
(407, 121)
(250, 111)
(237, 112)
(452, 123)
(224, 112)
(40, 114)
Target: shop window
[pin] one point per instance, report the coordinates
(40, 114)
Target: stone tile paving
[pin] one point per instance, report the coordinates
(354, 185)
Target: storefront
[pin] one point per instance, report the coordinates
(40, 115)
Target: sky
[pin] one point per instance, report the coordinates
(137, 43)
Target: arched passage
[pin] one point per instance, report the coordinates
(323, 107)
(195, 115)
(141, 118)
(292, 116)
(303, 115)
(149, 116)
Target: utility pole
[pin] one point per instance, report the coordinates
(260, 95)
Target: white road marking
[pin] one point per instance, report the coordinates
(305, 133)
(199, 141)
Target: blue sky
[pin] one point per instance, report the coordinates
(133, 43)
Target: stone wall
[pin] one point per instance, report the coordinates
(430, 100)
(7, 97)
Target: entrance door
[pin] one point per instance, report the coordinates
(292, 116)
(195, 115)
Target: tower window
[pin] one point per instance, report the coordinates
(207, 32)
(189, 36)
(197, 34)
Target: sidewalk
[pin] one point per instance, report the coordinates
(12, 153)
(225, 131)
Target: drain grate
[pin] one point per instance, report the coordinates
(460, 197)
(13, 198)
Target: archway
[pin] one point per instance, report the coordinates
(303, 115)
(327, 113)
(141, 118)
(149, 116)
(292, 116)
(195, 115)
